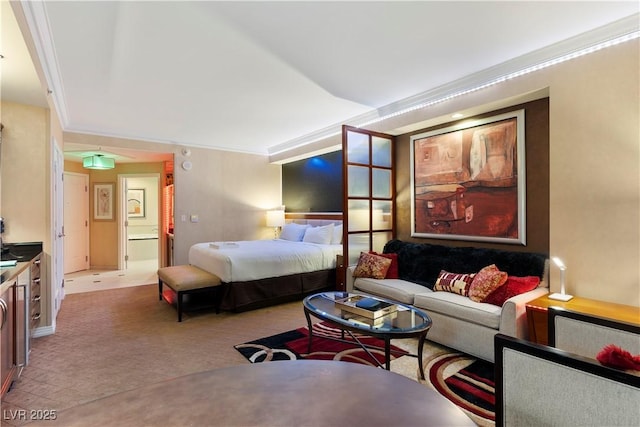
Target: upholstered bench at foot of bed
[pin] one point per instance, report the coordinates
(187, 279)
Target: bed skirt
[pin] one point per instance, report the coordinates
(243, 296)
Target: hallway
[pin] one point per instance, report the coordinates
(139, 273)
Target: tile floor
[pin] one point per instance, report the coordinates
(138, 273)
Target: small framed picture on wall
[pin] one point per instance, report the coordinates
(103, 201)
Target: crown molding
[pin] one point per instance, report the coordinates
(37, 21)
(578, 45)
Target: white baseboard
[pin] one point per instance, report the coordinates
(44, 331)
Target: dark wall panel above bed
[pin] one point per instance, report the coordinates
(313, 184)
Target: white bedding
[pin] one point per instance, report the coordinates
(259, 259)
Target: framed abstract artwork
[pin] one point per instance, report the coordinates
(135, 203)
(103, 201)
(468, 181)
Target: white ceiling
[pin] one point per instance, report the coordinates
(249, 76)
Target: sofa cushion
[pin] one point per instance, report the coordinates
(454, 282)
(393, 289)
(486, 281)
(373, 266)
(460, 307)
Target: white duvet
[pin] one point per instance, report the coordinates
(259, 259)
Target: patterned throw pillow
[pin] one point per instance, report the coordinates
(514, 286)
(486, 281)
(453, 282)
(372, 266)
(392, 273)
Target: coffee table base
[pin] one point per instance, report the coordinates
(385, 337)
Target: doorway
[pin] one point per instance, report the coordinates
(140, 222)
(76, 222)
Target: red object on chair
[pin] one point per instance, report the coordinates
(615, 357)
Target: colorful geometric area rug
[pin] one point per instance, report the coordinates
(466, 381)
(327, 344)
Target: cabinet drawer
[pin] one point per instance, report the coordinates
(35, 309)
(35, 317)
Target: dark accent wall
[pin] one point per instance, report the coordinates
(313, 184)
(537, 181)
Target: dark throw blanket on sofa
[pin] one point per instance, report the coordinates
(421, 262)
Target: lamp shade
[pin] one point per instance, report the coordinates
(275, 218)
(99, 162)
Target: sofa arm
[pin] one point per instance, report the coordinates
(349, 279)
(513, 320)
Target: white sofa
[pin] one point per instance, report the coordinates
(458, 322)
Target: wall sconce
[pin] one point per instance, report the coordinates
(562, 296)
(275, 219)
(99, 162)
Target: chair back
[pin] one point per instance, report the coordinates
(586, 335)
(537, 385)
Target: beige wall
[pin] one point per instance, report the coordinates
(595, 173)
(230, 193)
(25, 172)
(25, 195)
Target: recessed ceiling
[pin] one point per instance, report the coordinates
(246, 76)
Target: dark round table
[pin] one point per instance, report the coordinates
(282, 393)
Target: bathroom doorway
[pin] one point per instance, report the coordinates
(140, 222)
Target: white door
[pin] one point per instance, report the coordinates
(57, 255)
(76, 222)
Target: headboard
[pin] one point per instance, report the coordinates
(314, 219)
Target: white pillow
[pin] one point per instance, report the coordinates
(321, 235)
(337, 234)
(293, 232)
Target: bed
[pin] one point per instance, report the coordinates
(259, 273)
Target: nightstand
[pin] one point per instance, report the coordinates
(537, 313)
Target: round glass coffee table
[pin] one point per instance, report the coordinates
(393, 320)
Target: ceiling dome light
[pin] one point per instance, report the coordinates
(98, 162)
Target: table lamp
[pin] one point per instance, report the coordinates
(562, 296)
(275, 219)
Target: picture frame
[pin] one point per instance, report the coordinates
(103, 201)
(468, 181)
(136, 203)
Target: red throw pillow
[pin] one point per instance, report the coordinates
(615, 357)
(392, 272)
(512, 287)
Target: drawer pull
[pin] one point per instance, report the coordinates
(4, 307)
(36, 298)
(35, 316)
(37, 280)
(37, 262)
